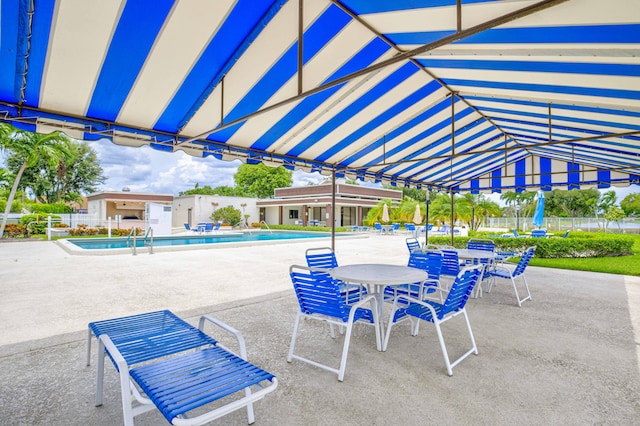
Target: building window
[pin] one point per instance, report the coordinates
(293, 214)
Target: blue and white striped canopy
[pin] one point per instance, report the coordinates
(478, 95)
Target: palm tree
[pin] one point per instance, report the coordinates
(31, 146)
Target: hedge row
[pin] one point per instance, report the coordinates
(572, 247)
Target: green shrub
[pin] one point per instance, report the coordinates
(38, 222)
(228, 215)
(50, 208)
(16, 206)
(591, 245)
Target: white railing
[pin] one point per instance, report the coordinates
(587, 224)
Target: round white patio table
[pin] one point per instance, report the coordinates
(475, 254)
(377, 276)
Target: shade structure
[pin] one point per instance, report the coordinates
(385, 213)
(470, 95)
(417, 216)
(538, 215)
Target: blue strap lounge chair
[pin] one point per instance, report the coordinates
(437, 313)
(539, 233)
(319, 299)
(517, 272)
(154, 356)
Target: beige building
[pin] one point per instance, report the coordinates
(126, 209)
(193, 209)
(311, 205)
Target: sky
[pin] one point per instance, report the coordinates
(147, 170)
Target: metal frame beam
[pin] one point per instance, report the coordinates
(520, 13)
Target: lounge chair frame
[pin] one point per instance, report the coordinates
(143, 348)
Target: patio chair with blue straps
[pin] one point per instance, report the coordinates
(321, 259)
(167, 364)
(414, 310)
(482, 245)
(517, 272)
(319, 299)
(429, 261)
(410, 228)
(413, 244)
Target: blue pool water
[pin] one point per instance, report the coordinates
(119, 243)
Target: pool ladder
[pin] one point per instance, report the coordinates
(265, 224)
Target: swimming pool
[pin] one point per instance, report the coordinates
(76, 245)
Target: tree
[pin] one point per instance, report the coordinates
(631, 204)
(5, 178)
(224, 190)
(65, 181)
(259, 180)
(574, 203)
(414, 193)
(32, 147)
(614, 214)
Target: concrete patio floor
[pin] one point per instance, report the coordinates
(570, 357)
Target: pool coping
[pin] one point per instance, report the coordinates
(78, 251)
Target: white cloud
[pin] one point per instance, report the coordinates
(147, 170)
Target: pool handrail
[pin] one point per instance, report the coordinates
(265, 224)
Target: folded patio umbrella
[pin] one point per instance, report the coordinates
(417, 217)
(538, 216)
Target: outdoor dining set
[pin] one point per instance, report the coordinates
(167, 364)
(434, 287)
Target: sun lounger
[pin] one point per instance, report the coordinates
(166, 363)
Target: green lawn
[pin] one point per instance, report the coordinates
(623, 265)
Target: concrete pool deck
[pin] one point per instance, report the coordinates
(568, 357)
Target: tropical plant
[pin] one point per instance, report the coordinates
(524, 201)
(228, 214)
(32, 147)
(473, 207)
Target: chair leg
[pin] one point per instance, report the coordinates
(294, 337)
(445, 354)
(89, 336)
(526, 287)
(250, 416)
(345, 352)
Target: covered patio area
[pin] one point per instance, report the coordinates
(569, 357)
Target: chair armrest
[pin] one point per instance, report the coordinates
(226, 327)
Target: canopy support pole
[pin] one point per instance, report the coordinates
(333, 209)
(452, 224)
(426, 221)
(300, 43)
